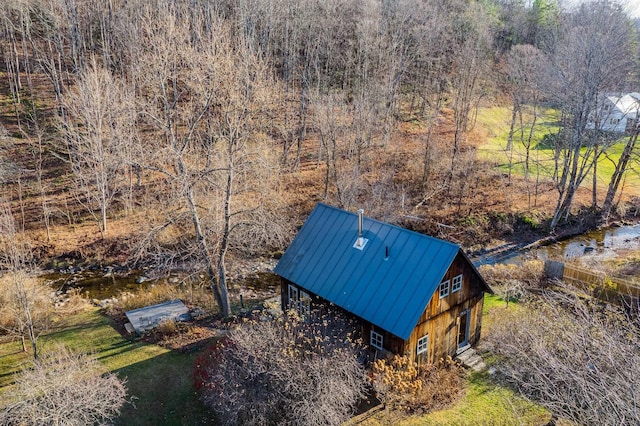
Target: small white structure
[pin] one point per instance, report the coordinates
(618, 113)
(146, 318)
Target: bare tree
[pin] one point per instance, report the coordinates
(63, 388)
(577, 358)
(98, 132)
(471, 42)
(619, 172)
(24, 305)
(544, 22)
(526, 80)
(285, 372)
(206, 104)
(593, 55)
(25, 309)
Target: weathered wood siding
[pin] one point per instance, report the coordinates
(390, 342)
(440, 318)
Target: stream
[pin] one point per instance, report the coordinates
(106, 283)
(95, 284)
(601, 243)
(102, 284)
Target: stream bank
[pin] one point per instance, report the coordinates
(597, 244)
(254, 279)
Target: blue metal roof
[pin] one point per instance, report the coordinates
(390, 293)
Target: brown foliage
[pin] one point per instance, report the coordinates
(400, 384)
(24, 302)
(577, 358)
(284, 371)
(530, 273)
(191, 294)
(513, 282)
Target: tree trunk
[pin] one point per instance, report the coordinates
(594, 183)
(103, 213)
(618, 173)
(512, 126)
(223, 292)
(222, 297)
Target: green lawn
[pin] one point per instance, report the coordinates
(496, 121)
(483, 403)
(159, 380)
(493, 301)
(486, 403)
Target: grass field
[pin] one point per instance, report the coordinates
(159, 380)
(495, 121)
(486, 403)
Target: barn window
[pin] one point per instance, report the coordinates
(304, 305)
(294, 297)
(456, 283)
(376, 340)
(299, 300)
(423, 344)
(444, 289)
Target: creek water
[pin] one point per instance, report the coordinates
(95, 284)
(600, 243)
(604, 242)
(105, 285)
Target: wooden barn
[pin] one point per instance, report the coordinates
(412, 294)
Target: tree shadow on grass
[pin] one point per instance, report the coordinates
(162, 392)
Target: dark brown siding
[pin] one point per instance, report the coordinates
(390, 342)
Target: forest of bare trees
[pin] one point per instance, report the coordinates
(199, 116)
(186, 135)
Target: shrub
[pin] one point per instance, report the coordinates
(283, 371)
(167, 328)
(74, 304)
(530, 221)
(63, 388)
(529, 273)
(576, 357)
(400, 384)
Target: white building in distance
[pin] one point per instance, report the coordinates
(617, 113)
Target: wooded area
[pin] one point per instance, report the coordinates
(182, 134)
(213, 125)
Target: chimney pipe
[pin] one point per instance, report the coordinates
(360, 239)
